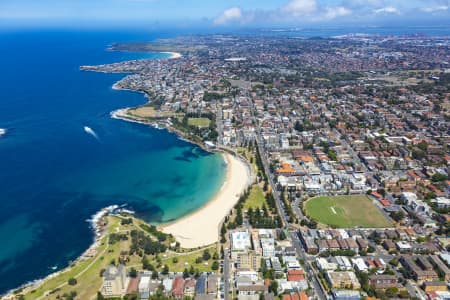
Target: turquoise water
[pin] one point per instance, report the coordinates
(54, 176)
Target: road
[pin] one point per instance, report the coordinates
(226, 274)
(312, 275)
(295, 241)
(219, 123)
(265, 163)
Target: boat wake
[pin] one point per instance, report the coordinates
(90, 131)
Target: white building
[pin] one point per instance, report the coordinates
(268, 247)
(240, 242)
(325, 265)
(441, 202)
(144, 287)
(359, 264)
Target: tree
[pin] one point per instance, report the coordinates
(397, 216)
(165, 270)
(391, 292)
(422, 145)
(155, 274)
(215, 265)
(175, 260)
(198, 260)
(146, 265)
(133, 273)
(438, 177)
(100, 296)
(72, 281)
(273, 287)
(206, 255)
(382, 192)
(185, 273)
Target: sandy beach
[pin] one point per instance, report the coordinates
(202, 226)
(173, 54)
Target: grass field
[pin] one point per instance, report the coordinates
(346, 211)
(199, 122)
(87, 272)
(249, 155)
(149, 112)
(256, 198)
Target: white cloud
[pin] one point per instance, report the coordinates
(335, 12)
(300, 8)
(232, 14)
(388, 10)
(431, 9)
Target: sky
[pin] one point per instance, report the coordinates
(224, 13)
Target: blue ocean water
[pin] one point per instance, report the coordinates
(54, 176)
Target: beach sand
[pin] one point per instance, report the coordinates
(173, 54)
(202, 226)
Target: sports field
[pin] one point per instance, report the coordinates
(346, 211)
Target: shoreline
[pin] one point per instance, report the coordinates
(97, 220)
(98, 226)
(201, 227)
(189, 230)
(119, 114)
(173, 55)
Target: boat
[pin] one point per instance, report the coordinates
(2, 131)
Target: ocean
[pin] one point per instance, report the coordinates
(54, 176)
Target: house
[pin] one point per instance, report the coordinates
(167, 284)
(200, 285)
(144, 287)
(310, 245)
(363, 244)
(295, 296)
(343, 280)
(115, 281)
(403, 247)
(359, 264)
(352, 244)
(389, 245)
(441, 202)
(133, 286)
(345, 294)
(434, 286)
(419, 274)
(333, 245)
(440, 265)
(250, 260)
(212, 286)
(253, 289)
(323, 245)
(383, 281)
(178, 288)
(295, 275)
(325, 265)
(189, 287)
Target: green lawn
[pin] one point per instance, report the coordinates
(256, 198)
(346, 211)
(199, 122)
(249, 156)
(188, 260)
